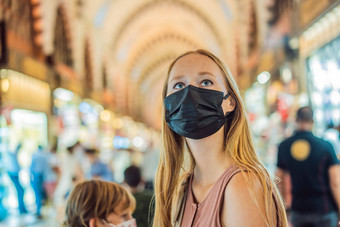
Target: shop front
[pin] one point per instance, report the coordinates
(89, 111)
(66, 117)
(25, 109)
(319, 49)
(271, 102)
(323, 70)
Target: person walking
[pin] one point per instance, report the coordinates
(98, 170)
(133, 180)
(314, 174)
(52, 173)
(71, 173)
(37, 170)
(13, 169)
(149, 165)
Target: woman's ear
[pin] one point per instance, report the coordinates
(232, 102)
(229, 105)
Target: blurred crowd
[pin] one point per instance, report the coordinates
(53, 176)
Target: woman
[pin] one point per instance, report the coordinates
(98, 203)
(226, 184)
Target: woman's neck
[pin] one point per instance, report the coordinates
(210, 158)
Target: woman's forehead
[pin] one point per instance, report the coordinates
(194, 63)
(194, 59)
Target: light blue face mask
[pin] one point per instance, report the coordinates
(130, 223)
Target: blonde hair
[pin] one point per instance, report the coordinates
(96, 199)
(239, 147)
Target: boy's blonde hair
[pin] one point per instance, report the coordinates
(96, 199)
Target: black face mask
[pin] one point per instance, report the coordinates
(195, 112)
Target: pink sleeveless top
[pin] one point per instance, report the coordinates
(208, 212)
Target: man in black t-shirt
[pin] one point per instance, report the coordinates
(314, 171)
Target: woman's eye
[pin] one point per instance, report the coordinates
(179, 85)
(205, 83)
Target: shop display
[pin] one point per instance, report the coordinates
(89, 117)
(25, 107)
(28, 128)
(324, 85)
(66, 115)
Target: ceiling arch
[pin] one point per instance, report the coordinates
(147, 41)
(139, 33)
(141, 54)
(148, 73)
(138, 42)
(140, 13)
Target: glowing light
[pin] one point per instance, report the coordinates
(4, 132)
(294, 43)
(336, 116)
(105, 115)
(317, 99)
(138, 142)
(107, 141)
(99, 108)
(320, 26)
(263, 77)
(29, 117)
(331, 17)
(286, 74)
(58, 102)
(333, 74)
(335, 97)
(319, 115)
(63, 94)
(118, 123)
(303, 99)
(84, 107)
(321, 78)
(5, 85)
(121, 142)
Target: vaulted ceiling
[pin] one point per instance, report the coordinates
(135, 41)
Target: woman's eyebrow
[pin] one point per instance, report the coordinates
(206, 73)
(177, 77)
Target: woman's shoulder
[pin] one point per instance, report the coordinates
(244, 197)
(243, 186)
(244, 179)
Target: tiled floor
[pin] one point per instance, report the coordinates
(30, 220)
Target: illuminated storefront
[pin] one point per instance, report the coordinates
(89, 118)
(324, 84)
(66, 117)
(24, 120)
(319, 48)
